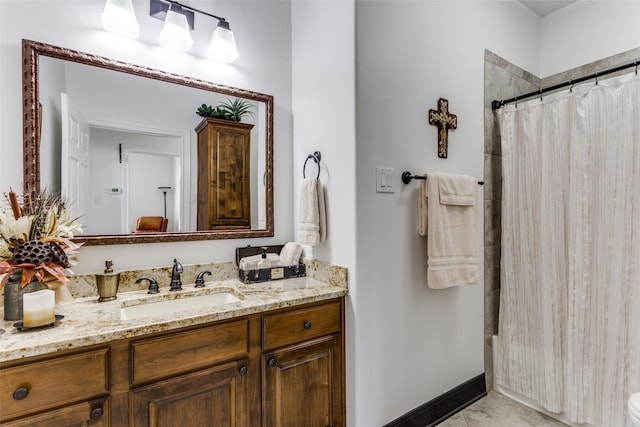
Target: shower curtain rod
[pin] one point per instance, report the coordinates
(495, 105)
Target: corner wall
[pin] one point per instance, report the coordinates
(413, 343)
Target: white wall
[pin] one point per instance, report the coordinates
(263, 34)
(412, 343)
(324, 120)
(586, 31)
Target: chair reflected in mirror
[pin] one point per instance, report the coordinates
(151, 224)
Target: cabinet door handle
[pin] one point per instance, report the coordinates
(20, 393)
(272, 362)
(243, 371)
(96, 413)
(307, 325)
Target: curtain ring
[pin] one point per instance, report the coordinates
(515, 101)
(316, 156)
(596, 74)
(540, 94)
(571, 88)
(636, 64)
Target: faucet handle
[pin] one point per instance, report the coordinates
(200, 279)
(153, 285)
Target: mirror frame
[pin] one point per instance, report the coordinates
(31, 51)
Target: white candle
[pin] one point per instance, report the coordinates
(38, 308)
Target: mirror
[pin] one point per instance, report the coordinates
(137, 127)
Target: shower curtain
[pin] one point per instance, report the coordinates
(569, 324)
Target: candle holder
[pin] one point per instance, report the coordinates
(13, 296)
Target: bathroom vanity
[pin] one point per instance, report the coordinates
(273, 356)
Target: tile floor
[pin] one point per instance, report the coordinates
(496, 410)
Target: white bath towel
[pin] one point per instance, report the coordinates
(312, 217)
(422, 209)
(452, 230)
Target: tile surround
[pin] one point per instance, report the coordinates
(502, 80)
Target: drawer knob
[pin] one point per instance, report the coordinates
(243, 371)
(96, 413)
(272, 362)
(307, 325)
(21, 393)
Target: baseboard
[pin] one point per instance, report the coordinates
(444, 406)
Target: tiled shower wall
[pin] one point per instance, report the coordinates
(503, 80)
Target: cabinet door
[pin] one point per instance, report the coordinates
(303, 385)
(214, 397)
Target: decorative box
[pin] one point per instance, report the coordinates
(267, 274)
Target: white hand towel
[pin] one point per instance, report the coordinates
(322, 212)
(312, 216)
(457, 190)
(452, 240)
(251, 262)
(290, 254)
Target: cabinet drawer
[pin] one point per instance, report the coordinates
(300, 325)
(42, 385)
(80, 414)
(180, 352)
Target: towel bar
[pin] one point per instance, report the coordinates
(316, 156)
(408, 176)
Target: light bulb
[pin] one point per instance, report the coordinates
(118, 17)
(176, 34)
(223, 44)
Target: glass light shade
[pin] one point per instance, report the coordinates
(176, 34)
(223, 45)
(118, 17)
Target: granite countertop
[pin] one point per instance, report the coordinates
(87, 321)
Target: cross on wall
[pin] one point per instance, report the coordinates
(443, 120)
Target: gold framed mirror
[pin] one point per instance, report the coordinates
(183, 192)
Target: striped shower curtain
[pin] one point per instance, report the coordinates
(569, 324)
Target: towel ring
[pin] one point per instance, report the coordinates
(316, 156)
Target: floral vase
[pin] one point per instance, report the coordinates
(13, 296)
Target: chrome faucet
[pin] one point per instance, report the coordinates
(176, 283)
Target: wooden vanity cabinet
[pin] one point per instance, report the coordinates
(280, 368)
(197, 377)
(303, 367)
(224, 174)
(216, 396)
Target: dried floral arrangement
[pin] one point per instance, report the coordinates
(35, 235)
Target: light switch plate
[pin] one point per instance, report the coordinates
(385, 179)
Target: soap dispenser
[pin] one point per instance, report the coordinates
(107, 283)
(264, 262)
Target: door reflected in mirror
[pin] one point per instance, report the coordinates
(119, 141)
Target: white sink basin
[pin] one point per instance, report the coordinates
(150, 309)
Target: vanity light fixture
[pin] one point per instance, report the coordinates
(118, 17)
(179, 18)
(176, 33)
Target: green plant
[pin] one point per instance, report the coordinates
(231, 110)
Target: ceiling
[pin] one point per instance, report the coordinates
(544, 7)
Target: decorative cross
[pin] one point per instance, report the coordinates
(444, 121)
